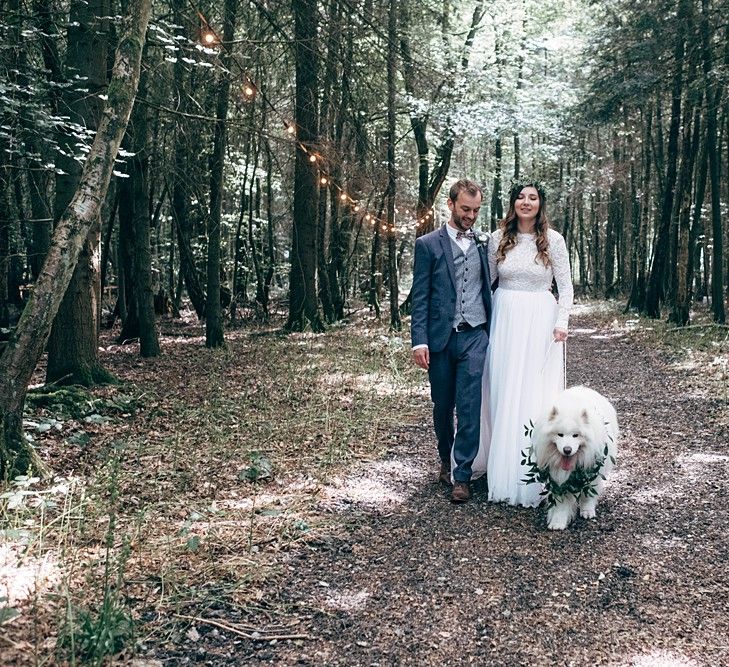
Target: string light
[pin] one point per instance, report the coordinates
(210, 38)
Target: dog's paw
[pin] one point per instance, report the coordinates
(588, 513)
(558, 524)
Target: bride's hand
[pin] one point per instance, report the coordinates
(560, 335)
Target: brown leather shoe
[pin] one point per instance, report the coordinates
(461, 492)
(445, 472)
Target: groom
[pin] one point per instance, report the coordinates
(451, 298)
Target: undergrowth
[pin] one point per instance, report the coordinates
(181, 489)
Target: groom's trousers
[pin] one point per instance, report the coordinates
(455, 375)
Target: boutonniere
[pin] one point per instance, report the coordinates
(481, 238)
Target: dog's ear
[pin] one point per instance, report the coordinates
(585, 417)
(553, 414)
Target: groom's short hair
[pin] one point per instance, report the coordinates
(466, 184)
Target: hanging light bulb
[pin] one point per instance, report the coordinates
(312, 158)
(323, 180)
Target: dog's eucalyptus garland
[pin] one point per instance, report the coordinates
(578, 483)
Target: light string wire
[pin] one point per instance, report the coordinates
(211, 39)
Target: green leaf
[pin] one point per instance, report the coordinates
(260, 468)
(8, 614)
(81, 438)
(269, 512)
(193, 543)
(96, 419)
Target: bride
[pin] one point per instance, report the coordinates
(525, 364)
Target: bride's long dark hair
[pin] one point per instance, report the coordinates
(510, 224)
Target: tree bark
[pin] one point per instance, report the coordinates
(680, 296)
(142, 260)
(395, 323)
(213, 311)
(615, 218)
(713, 94)
(20, 357)
(497, 208)
(640, 244)
(303, 299)
(73, 356)
(655, 291)
(179, 195)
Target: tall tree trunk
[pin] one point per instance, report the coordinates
(713, 94)
(430, 180)
(20, 357)
(595, 245)
(497, 208)
(5, 222)
(640, 245)
(395, 323)
(615, 218)
(520, 85)
(680, 295)
(142, 261)
(328, 192)
(303, 299)
(213, 311)
(655, 291)
(128, 311)
(73, 355)
(179, 195)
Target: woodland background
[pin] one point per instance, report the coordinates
(255, 164)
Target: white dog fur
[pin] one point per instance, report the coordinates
(571, 434)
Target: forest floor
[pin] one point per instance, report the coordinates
(275, 503)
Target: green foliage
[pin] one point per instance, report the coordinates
(259, 468)
(91, 637)
(7, 613)
(580, 482)
(76, 402)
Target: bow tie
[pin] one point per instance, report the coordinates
(465, 235)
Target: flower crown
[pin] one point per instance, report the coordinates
(518, 184)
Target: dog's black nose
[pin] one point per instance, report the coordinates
(567, 450)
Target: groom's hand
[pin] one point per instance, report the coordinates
(421, 357)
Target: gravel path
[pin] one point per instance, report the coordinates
(407, 578)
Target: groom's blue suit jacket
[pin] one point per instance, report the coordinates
(434, 290)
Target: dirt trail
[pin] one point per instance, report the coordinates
(407, 578)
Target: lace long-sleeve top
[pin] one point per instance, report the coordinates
(520, 269)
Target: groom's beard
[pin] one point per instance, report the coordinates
(458, 222)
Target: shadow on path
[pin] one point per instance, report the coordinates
(407, 578)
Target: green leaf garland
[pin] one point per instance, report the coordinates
(579, 482)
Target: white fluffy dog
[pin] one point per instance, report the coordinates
(569, 441)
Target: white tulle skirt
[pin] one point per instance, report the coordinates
(524, 370)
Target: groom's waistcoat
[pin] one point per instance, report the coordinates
(469, 283)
